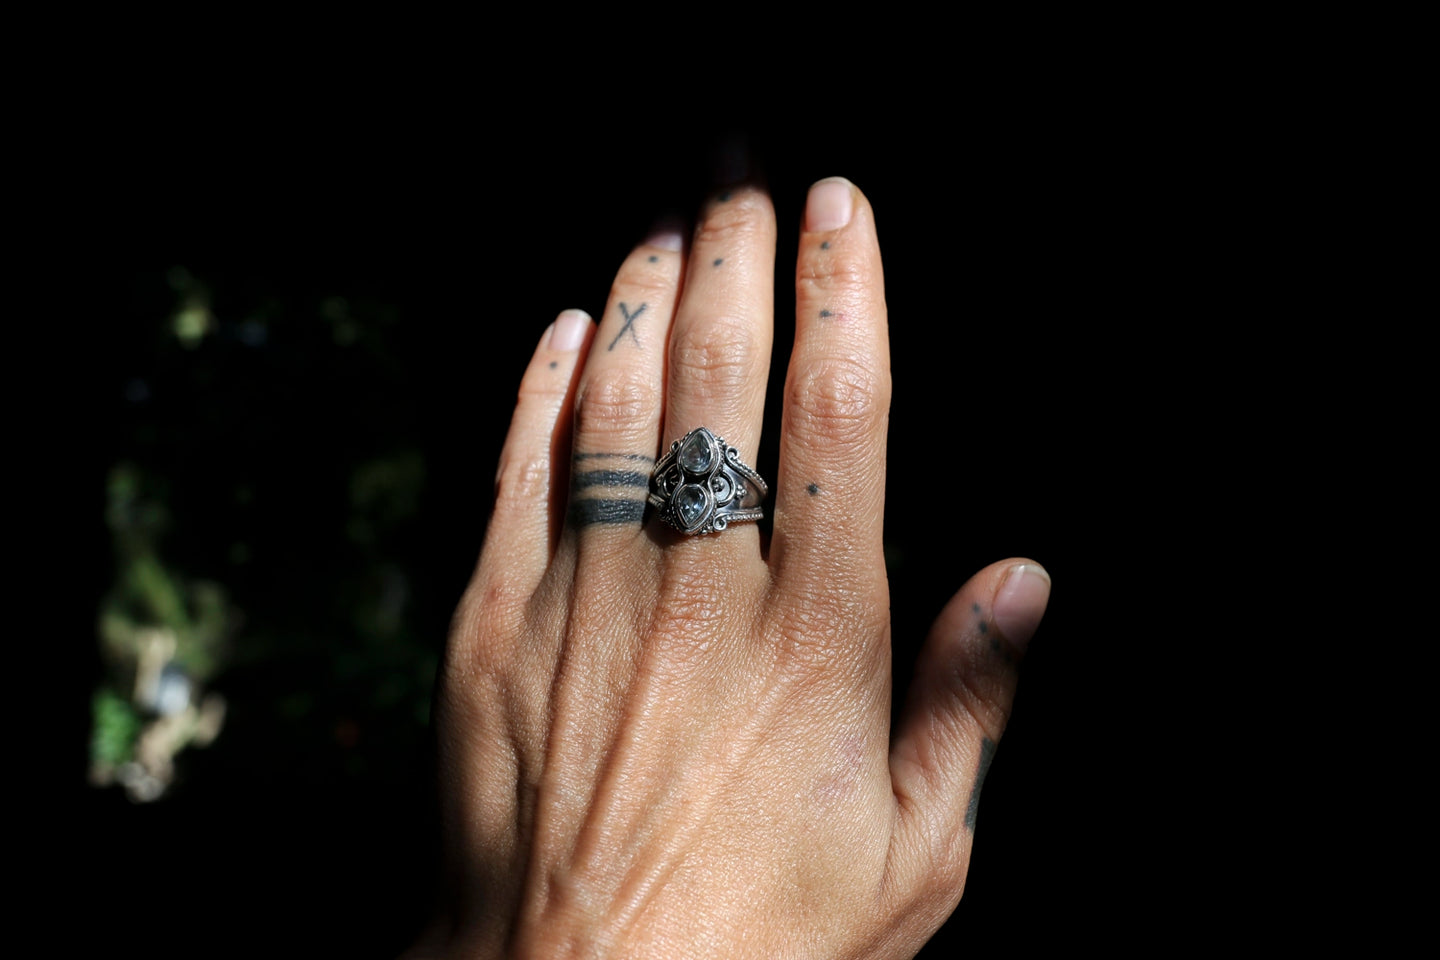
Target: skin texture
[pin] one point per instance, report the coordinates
(663, 746)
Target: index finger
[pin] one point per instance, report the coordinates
(830, 494)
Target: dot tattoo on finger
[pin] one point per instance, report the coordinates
(992, 638)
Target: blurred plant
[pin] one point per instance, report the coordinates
(192, 319)
(117, 726)
(274, 444)
(163, 638)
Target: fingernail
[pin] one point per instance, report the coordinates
(667, 234)
(830, 205)
(1020, 603)
(569, 330)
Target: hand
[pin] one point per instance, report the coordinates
(659, 745)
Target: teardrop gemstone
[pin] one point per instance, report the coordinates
(690, 505)
(695, 455)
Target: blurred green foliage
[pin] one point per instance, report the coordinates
(116, 725)
(264, 509)
(148, 595)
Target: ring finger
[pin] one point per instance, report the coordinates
(617, 406)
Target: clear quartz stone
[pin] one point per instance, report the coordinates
(695, 455)
(690, 505)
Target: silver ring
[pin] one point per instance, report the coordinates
(701, 485)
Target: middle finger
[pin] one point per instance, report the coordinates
(719, 356)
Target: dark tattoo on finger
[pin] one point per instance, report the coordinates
(718, 261)
(824, 244)
(614, 456)
(987, 753)
(997, 645)
(589, 513)
(629, 326)
(813, 489)
(638, 457)
(611, 478)
(825, 313)
(595, 495)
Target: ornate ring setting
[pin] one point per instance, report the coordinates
(701, 485)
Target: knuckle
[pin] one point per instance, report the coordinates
(949, 858)
(832, 277)
(642, 282)
(838, 399)
(690, 598)
(521, 480)
(619, 394)
(694, 613)
(742, 219)
(689, 621)
(978, 693)
(937, 852)
(828, 631)
(483, 633)
(717, 355)
(808, 641)
(686, 630)
(540, 384)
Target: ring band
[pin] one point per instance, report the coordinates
(701, 485)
